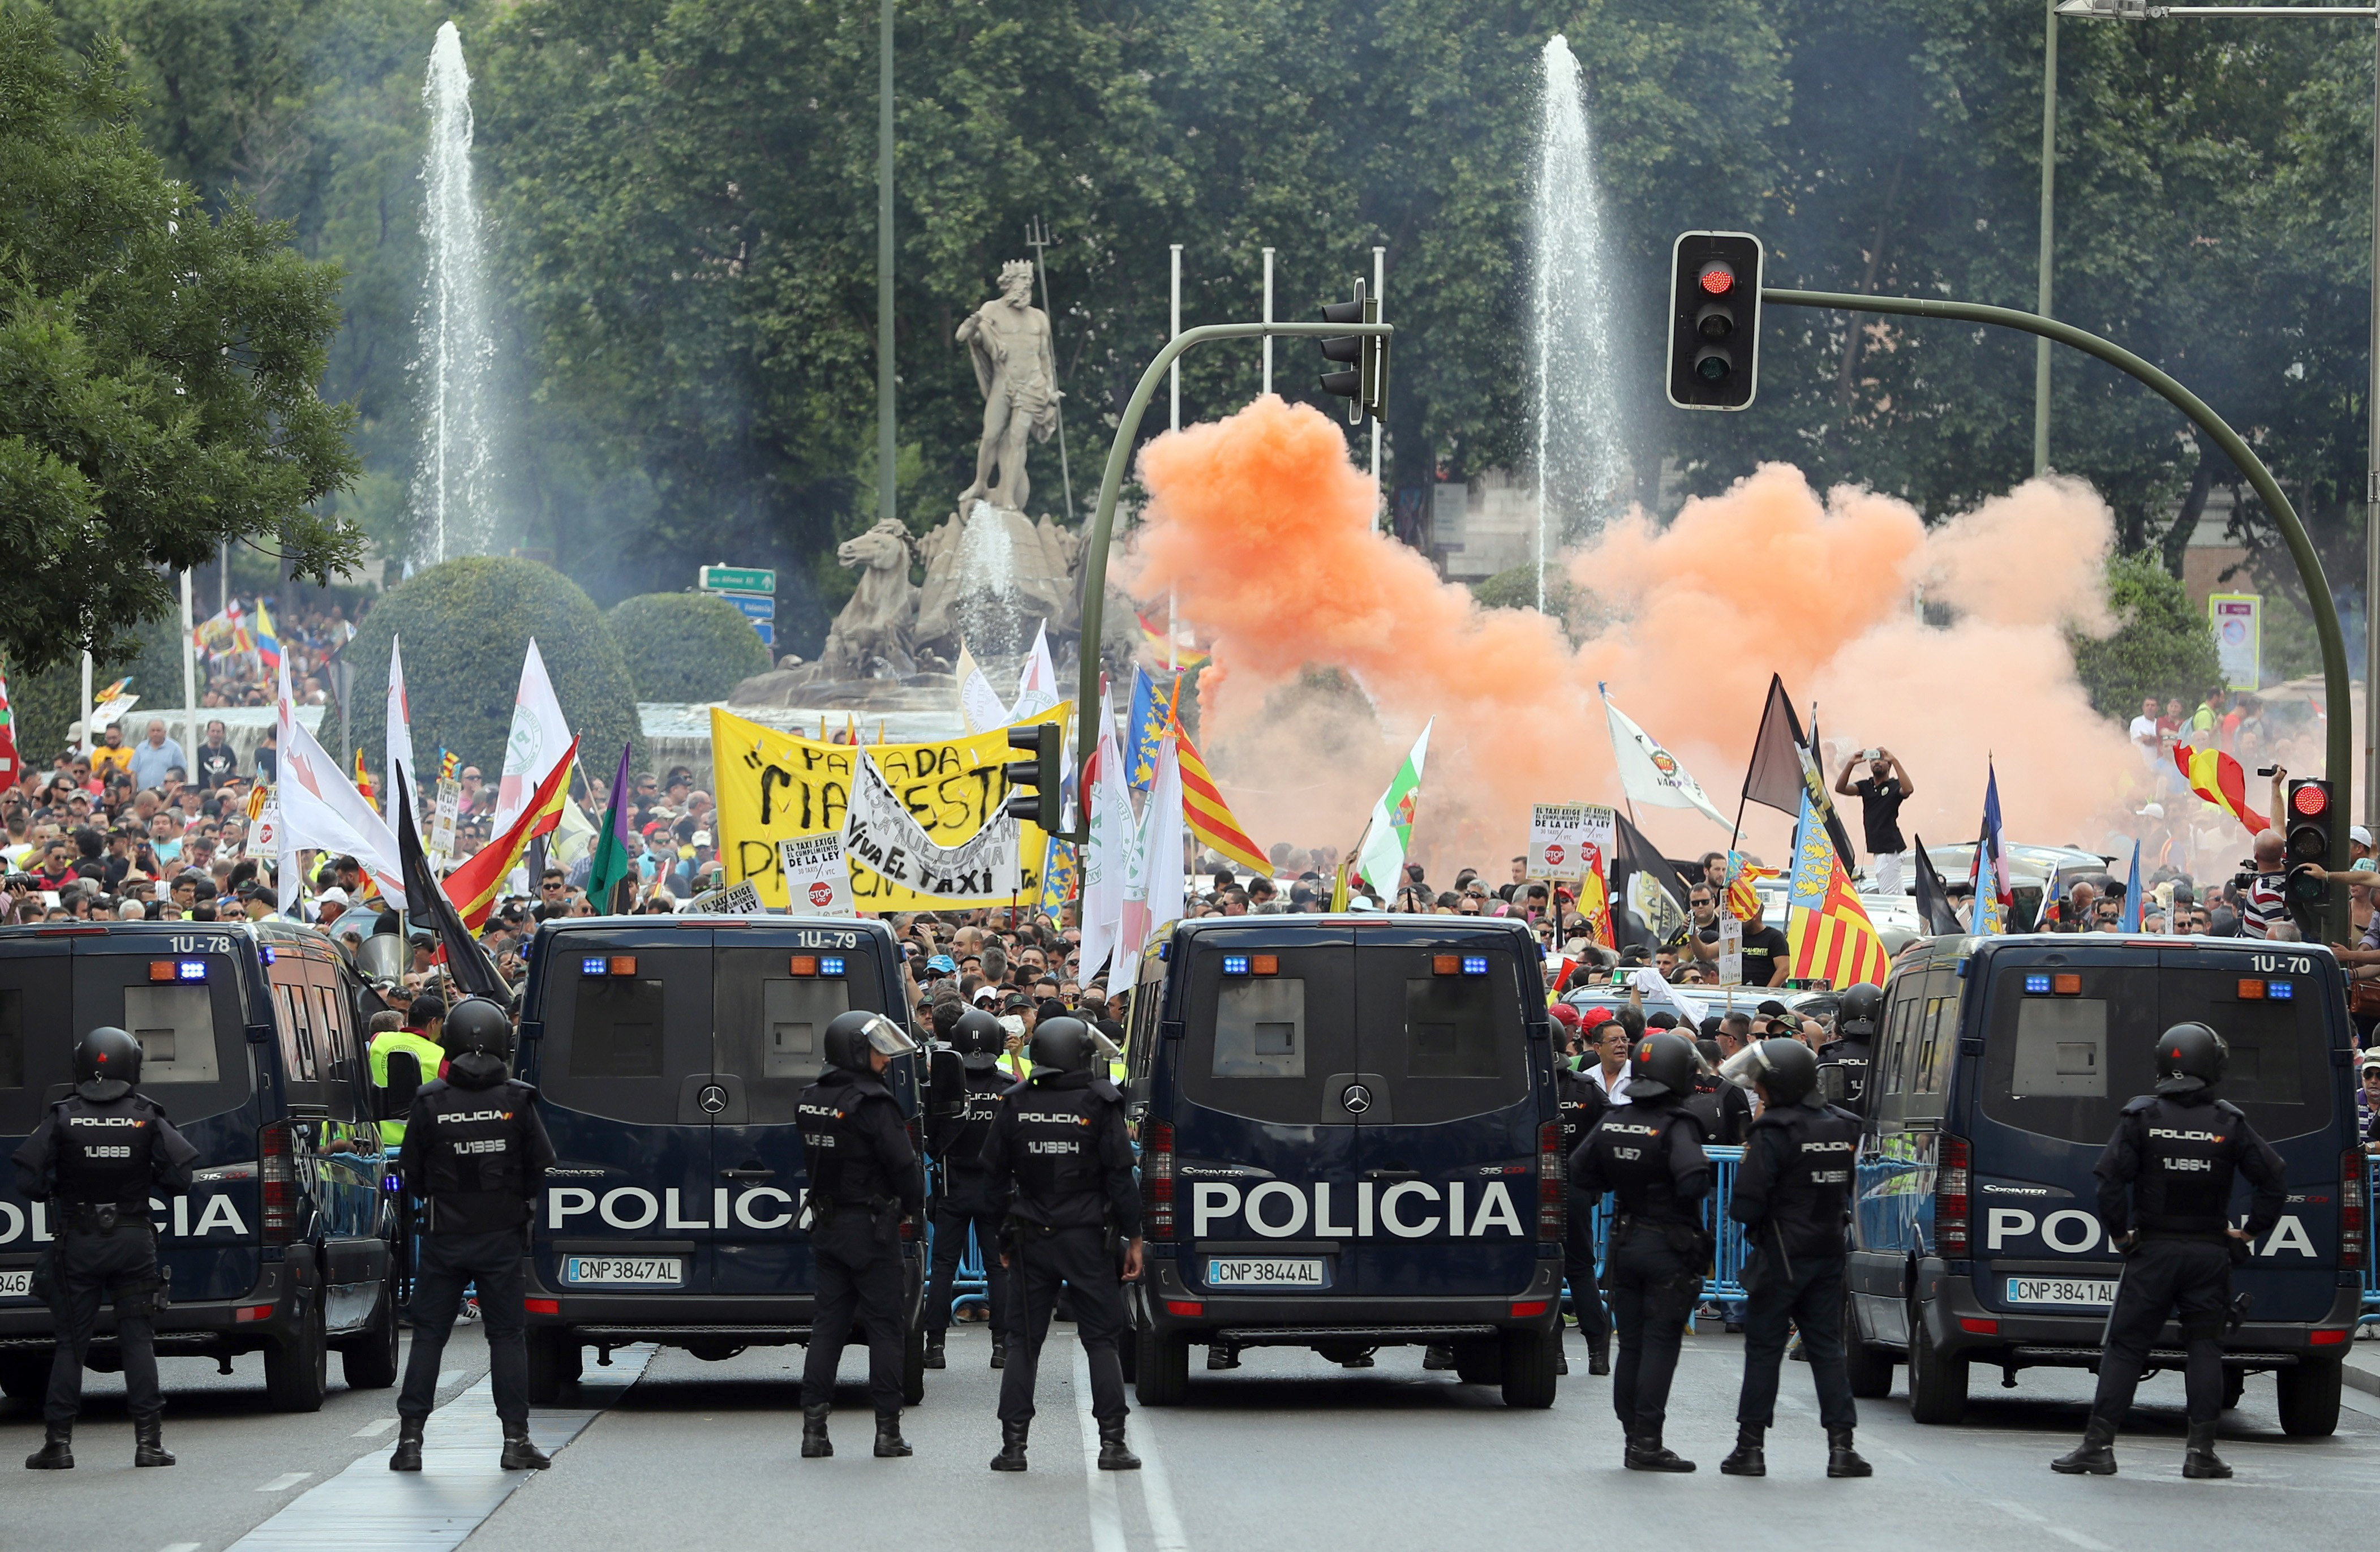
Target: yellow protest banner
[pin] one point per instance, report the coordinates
(773, 786)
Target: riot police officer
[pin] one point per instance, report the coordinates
(1579, 1103)
(2165, 1198)
(475, 1157)
(1793, 1195)
(1649, 1151)
(864, 1180)
(96, 1156)
(964, 1201)
(1859, 1016)
(1061, 1156)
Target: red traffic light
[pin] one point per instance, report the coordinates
(1717, 278)
(2310, 799)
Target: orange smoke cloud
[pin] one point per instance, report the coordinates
(1265, 529)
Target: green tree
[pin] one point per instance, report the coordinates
(685, 647)
(158, 367)
(2161, 646)
(465, 626)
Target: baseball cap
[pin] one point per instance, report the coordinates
(2359, 835)
(942, 964)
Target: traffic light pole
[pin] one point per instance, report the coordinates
(1095, 554)
(2339, 740)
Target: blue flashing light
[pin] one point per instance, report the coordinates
(831, 964)
(1475, 964)
(191, 970)
(594, 964)
(2280, 991)
(1235, 964)
(2036, 986)
(265, 949)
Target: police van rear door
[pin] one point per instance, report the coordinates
(1447, 1147)
(622, 1065)
(1266, 1106)
(777, 986)
(37, 1036)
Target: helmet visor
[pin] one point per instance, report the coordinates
(1107, 1049)
(1746, 1068)
(889, 1038)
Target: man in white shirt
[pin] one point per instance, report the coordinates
(1610, 1075)
(2143, 732)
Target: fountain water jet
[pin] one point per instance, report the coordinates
(450, 494)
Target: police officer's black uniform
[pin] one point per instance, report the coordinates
(1858, 1017)
(1579, 1103)
(2164, 1196)
(1059, 1151)
(475, 1157)
(865, 1178)
(1649, 1152)
(1793, 1195)
(963, 1199)
(95, 1158)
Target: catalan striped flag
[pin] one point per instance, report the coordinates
(2217, 777)
(1827, 928)
(1743, 900)
(1208, 816)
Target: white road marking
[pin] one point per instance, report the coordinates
(180, 1547)
(1107, 1520)
(2020, 1512)
(285, 1481)
(2079, 1539)
(374, 1430)
(1156, 1491)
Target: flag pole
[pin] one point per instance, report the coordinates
(1626, 797)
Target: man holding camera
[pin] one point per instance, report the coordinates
(1881, 792)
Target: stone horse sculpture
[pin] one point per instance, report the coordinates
(870, 638)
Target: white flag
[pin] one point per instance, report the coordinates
(1163, 885)
(400, 730)
(1651, 774)
(540, 739)
(1037, 684)
(981, 706)
(1109, 858)
(322, 809)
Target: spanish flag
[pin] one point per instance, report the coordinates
(2217, 777)
(364, 785)
(1208, 815)
(475, 885)
(1184, 655)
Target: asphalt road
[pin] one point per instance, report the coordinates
(1287, 1451)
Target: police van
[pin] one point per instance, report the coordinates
(670, 1054)
(1998, 1074)
(252, 1039)
(1348, 1141)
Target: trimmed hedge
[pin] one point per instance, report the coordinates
(466, 625)
(685, 647)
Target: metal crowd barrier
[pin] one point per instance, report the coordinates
(2371, 1253)
(1724, 1283)
(969, 1285)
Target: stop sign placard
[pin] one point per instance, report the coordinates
(821, 893)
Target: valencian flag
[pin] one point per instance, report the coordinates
(1994, 898)
(431, 908)
(2217, 777)
(475, 885)
(1208, 816)
(1831, 937)
(609, 863)
(1150, 713)
(1742, 872)
(1058, 876)
(1784, 775)
(1381, 859)
(1933, 899)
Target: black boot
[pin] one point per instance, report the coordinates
(999, 1353)
(815, 1444)
(520, 1455)
(1562, 1362)
(56, 1453)
(1646, 1454)
(1841, 1459)
(2199, 1460)
(1598, 1355)
(1747, 1459)
(407, 1457)
(148, 1441)
(1220, 1356)
(1012, 1448)
(890, 1444)
(1437, 1355)
(1113, 1454)
(2095, 1455)
(934, 1349)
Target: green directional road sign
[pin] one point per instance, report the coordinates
(736, 579)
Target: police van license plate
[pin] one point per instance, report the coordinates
(665, 1271)
(2061, 1290)
(17, 1285)
(1265, 1272)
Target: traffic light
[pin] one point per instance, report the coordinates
(1714, 319)
(1033, 784)
(2306, 844)
(1364, 383)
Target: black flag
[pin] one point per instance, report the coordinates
(1785, 766)
(428, 906)
(1933, 900)
(1645, 886)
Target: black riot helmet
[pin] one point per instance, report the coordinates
(481, 1026)
(107, 1064)
(1787, 1069)
(980, 1039)
(1063, 1045)
(2189, 1057)
(1860, 1012)
(1661, 1065)
(850, 1037)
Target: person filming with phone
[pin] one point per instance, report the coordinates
(1881, 792)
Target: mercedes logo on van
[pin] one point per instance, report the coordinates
(1356, 1098)
(713, 1099)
